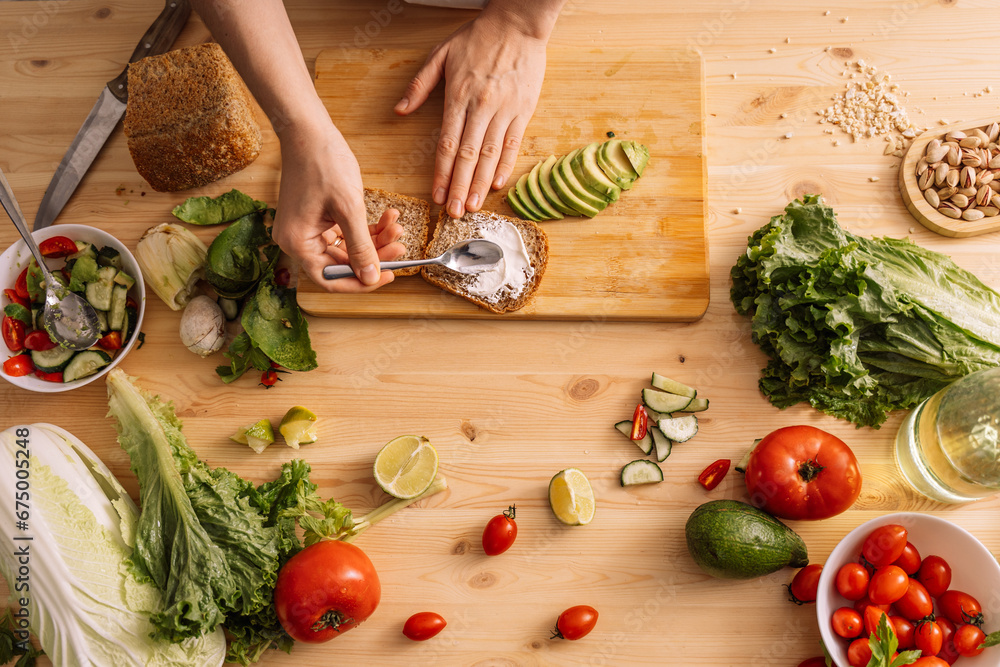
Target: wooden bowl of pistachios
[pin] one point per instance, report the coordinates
(950, 178)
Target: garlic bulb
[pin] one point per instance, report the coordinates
(203, 326)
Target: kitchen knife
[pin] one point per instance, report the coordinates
(108, 110)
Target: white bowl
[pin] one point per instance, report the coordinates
(974, 571)
(16, 257)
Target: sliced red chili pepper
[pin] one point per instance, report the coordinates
(269, 378)
(14, 297)
(713, 474)
(111, 340)
(282, 277)
(38, 340)
(21, 284)
(130, 303)
(18, 366)
(640, 422)
(57, 246)
(49, 377)
(13, 333)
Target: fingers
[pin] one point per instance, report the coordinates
(360, 249)
(420, 87)
(511, 149)
(489, 158)
(463, 163)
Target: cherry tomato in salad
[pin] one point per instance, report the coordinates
(888, 585)
(21, 284)
(852, 581)
(423, 625)
(968, 639)
(909, 562)
(57, 246)
(805, 584)
(935, 575)
(859, 652)
(500, 532)
(18, 366)
(927, 638)
(847, 623)
(39, 341)
(813, 662)
(640, 423)
(14, 297)
(13, 333)
(111, 340)
(575, 622)
(916, 602)
(711, 476)
(49, 377)
(884, 545)
(959, 607)
(904, 631)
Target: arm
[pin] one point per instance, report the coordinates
(321, 196)
(493, 69)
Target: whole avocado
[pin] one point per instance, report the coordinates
(729, 539)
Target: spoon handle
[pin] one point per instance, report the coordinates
(335, 271)
(14, 212)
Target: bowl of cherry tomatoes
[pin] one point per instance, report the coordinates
(104, 271)
(938, 586)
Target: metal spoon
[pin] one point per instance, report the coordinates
(69, 320)
(471, 256)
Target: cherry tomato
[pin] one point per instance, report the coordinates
(424, 625)
(847, 623)
(21, 284)
(888, 585)
(884, 545)
(873, 617)
(38, 340)
(968, 639)
(640, 423)
(852, 581)
(14, 297)
(575, 622)
(935, 575)
(948, 651)
(49, 377)
(805, 584)
(18, 366)
(909, 562)
(959, 607)
(325, 590)
(904, 631)
(57, 246)
(813, 662)
(916, 602)
(13, 333)
(864, 603)
(499, 534)
(802, 472)
(713, 474)
(927, 638)
(859, 652)
(929, 661)
(282, 277)
(111, 340)
(269, 378)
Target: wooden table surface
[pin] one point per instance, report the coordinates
(507, 404)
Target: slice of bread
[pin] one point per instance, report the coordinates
(414, 216)
(189, 119)
(450, 231)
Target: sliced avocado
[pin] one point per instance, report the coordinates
(637, 154)
(565, 170)
(568, 196)
(521, 188)
(545, 182)
(517, 206)
(612, 159)
(537, 197)
(591, 175)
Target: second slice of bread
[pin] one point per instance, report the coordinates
(414, 216)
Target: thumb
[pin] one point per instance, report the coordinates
(361, 252)
(420, 87)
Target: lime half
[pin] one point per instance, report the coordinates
(571, 497)
(406, 466)
(298, 427)
(258, 436)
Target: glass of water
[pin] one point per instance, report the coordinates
(948, 448)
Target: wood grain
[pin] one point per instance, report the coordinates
(645, 257)
(509, 403)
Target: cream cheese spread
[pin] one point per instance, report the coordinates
(514, 271)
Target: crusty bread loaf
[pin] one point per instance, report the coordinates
(189, 119)
(450, 231)
(414, 216)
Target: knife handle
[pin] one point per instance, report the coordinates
(158, 39)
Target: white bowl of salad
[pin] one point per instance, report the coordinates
(105, 273)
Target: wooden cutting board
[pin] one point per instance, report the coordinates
(644, 258)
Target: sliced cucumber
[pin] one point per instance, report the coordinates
(653, 415)
(741, 467)
(672, 386)
(36, 317)
(641, 471)
(116, 313)
(645, 444)
(85, 363)
(108, 256)
(679, 429)
(131, 322)
(102, 319)
(51, 361)
(662, 401)
(98, 293)
(84, 249)
(696, 405)
(662, 444)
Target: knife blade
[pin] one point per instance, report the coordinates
(108, 110)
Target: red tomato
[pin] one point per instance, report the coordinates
(968, 639)
(325, 590)
(713, 474)
(640, 423)
(13, 333)
(852, 581)
(282, 277)
(38, 340)
(864, 603)
(935, 575)
(805, 584)
(57, 246)
(959, 607)
(21, 284)
(499, 534)
(884, 545)
(909, 562)
(928, 638)
(904, 631)
(916, 603)
(49, 377)
(575, 622)
(859, 652)
(14, 297)
(424, 625)
(929, 661)
(948, 651)
(847, 623)
(111, 340)
(813, 662)
(269, 378)
(802, 472)
(888, 585)
(18, 366)
(873, 617)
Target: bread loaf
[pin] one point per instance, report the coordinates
(414, 216)
(189, 119)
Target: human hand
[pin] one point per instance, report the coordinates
(493, 69)
(320, 217)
